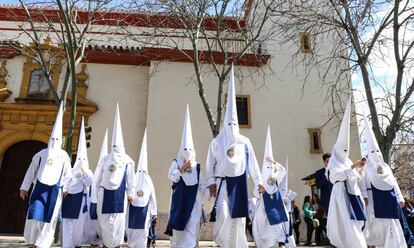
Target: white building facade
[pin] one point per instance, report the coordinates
(152, 91)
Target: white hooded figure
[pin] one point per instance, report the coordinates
(92, 229)
(186, 198)
(288, 196)
(271, 214)
(381, 189)
(115, 186)
(346, 214)
(143, 207)
(75, 204)
(49, 170)
(229, 161)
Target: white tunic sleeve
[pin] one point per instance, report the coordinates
(130, 186)
(339, 174)
(99, 176)
(67, 174)
(174, 173)
(363, 182)
(153, 204)
(31, 173)
(210, 165)
(254, 170)
(87, 178)
(202, 187)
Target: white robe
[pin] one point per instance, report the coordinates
(341, 230)
(189, 236)
(382, 232)
(92, 226)
(137, 238)
(74, 231)
(112, 226)
(266, 235)
(39, 233)
(229, 232)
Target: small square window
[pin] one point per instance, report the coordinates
(305, 42)
(243, 110)
(315, 140)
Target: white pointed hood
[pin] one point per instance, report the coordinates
(143, 182)
(76, 184)
(187, 151)
(340, 153)
(81, 155)
(102, 154)
(374, 152)
(55, 156)
(230, 133)
(104, 148)
(231, 107)
(117, 146)
(117, 137)
(55, 140)
(143, 156)
(383, 181)
(272, 173)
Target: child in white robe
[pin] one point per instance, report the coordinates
(143, 208)
(74, 207)
(187, 195)
(383, 197)
(115, 186)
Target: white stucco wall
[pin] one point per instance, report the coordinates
(127, 85)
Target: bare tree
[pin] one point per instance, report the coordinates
(403, 161)
(69, 23)
(212, 35)
(362, 35)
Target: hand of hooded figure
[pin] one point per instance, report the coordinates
(186, 165)
(23, 194)
(213, 190)
(261, 189)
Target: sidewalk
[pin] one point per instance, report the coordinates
(18, 241)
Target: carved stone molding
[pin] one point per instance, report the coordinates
(19, 121)
(4, 92)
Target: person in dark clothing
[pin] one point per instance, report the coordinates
(408, 211)
(325, 187)
(296, 221)
(324, 184)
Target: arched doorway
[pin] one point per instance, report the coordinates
(15, 162)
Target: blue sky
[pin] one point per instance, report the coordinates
(9, 2)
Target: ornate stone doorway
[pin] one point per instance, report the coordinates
(13, 168)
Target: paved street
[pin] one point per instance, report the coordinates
(18, 241)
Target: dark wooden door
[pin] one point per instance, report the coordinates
(13, 209)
